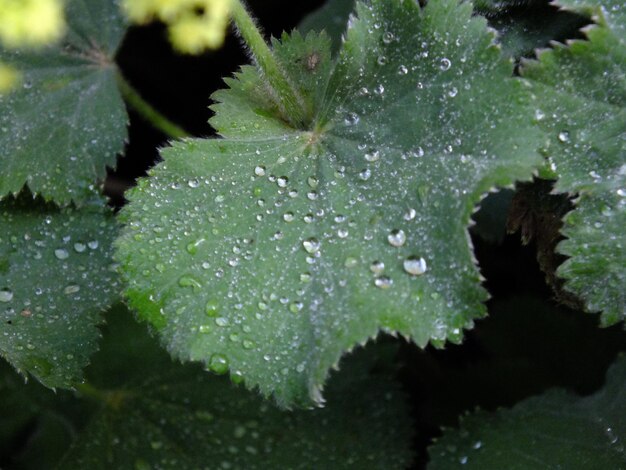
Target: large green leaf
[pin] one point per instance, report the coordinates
(581, 95)
(60, 130)
(554, 430)
(158, 414)
(56, 277)
(275, 250)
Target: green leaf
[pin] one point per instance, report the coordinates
(332, 18)
(530, 29)
(34, 433)
(173, 416)
(581, 96)
(67, 122)
(278, 249)
(554, 430)
(55, 279)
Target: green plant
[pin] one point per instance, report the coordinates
(335, 206)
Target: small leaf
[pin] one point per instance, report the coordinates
(580, 101)
(332, 18)
(55, 279)
(554, 430)
(67, 121)
(164, 415)
(281, 248)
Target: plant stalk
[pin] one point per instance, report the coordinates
(147, 111)
(288, 98)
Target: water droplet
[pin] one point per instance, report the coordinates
(311, 245)
(365, 174)
(218, 363)
(564, 136)
(305, 277)
(452, 92)
(383, 282)
(396, 238)
(351, 119)
(193, 183)
(402, 70)
(410, 214)
(415, 266)
(211, 308)
(71, 289)
(377, 267)
(388, 37)
(6, 295)
(312, 181)
(342, 233)
(192, 248)
(288, 217)
(282, 181)
(372, 156)
(295, 307)
(248, 344)
(382, 60)
(204, 329)
(61, 253)
(539, 115)
(79, 247)
(259, 171)
(188, 281)
(445, 64)
(222, 321)
(380, 89)
(350, 262)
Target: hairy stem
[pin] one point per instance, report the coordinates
(288, 99)
(147, 111)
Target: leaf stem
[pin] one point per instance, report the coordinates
(286, 95)
(111, 398)
(147, 111)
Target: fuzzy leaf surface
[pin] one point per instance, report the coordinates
(172, 416)
(581, 102)
(55, 279)
(66, 122)
(553, 430)
(280, 248)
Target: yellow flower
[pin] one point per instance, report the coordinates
(30, 22)
(8, 77)
(193, 25)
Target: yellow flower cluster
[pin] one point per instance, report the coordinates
(193, 25)
(27, 23)
(30, 22)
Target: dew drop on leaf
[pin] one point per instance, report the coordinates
(415, 266)
(311, 245)
(383, 282)
(6, 295)
(211, 308)
(61, 253)
(71, 289)
(377, 267)
(445, 64)
(396, 238)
